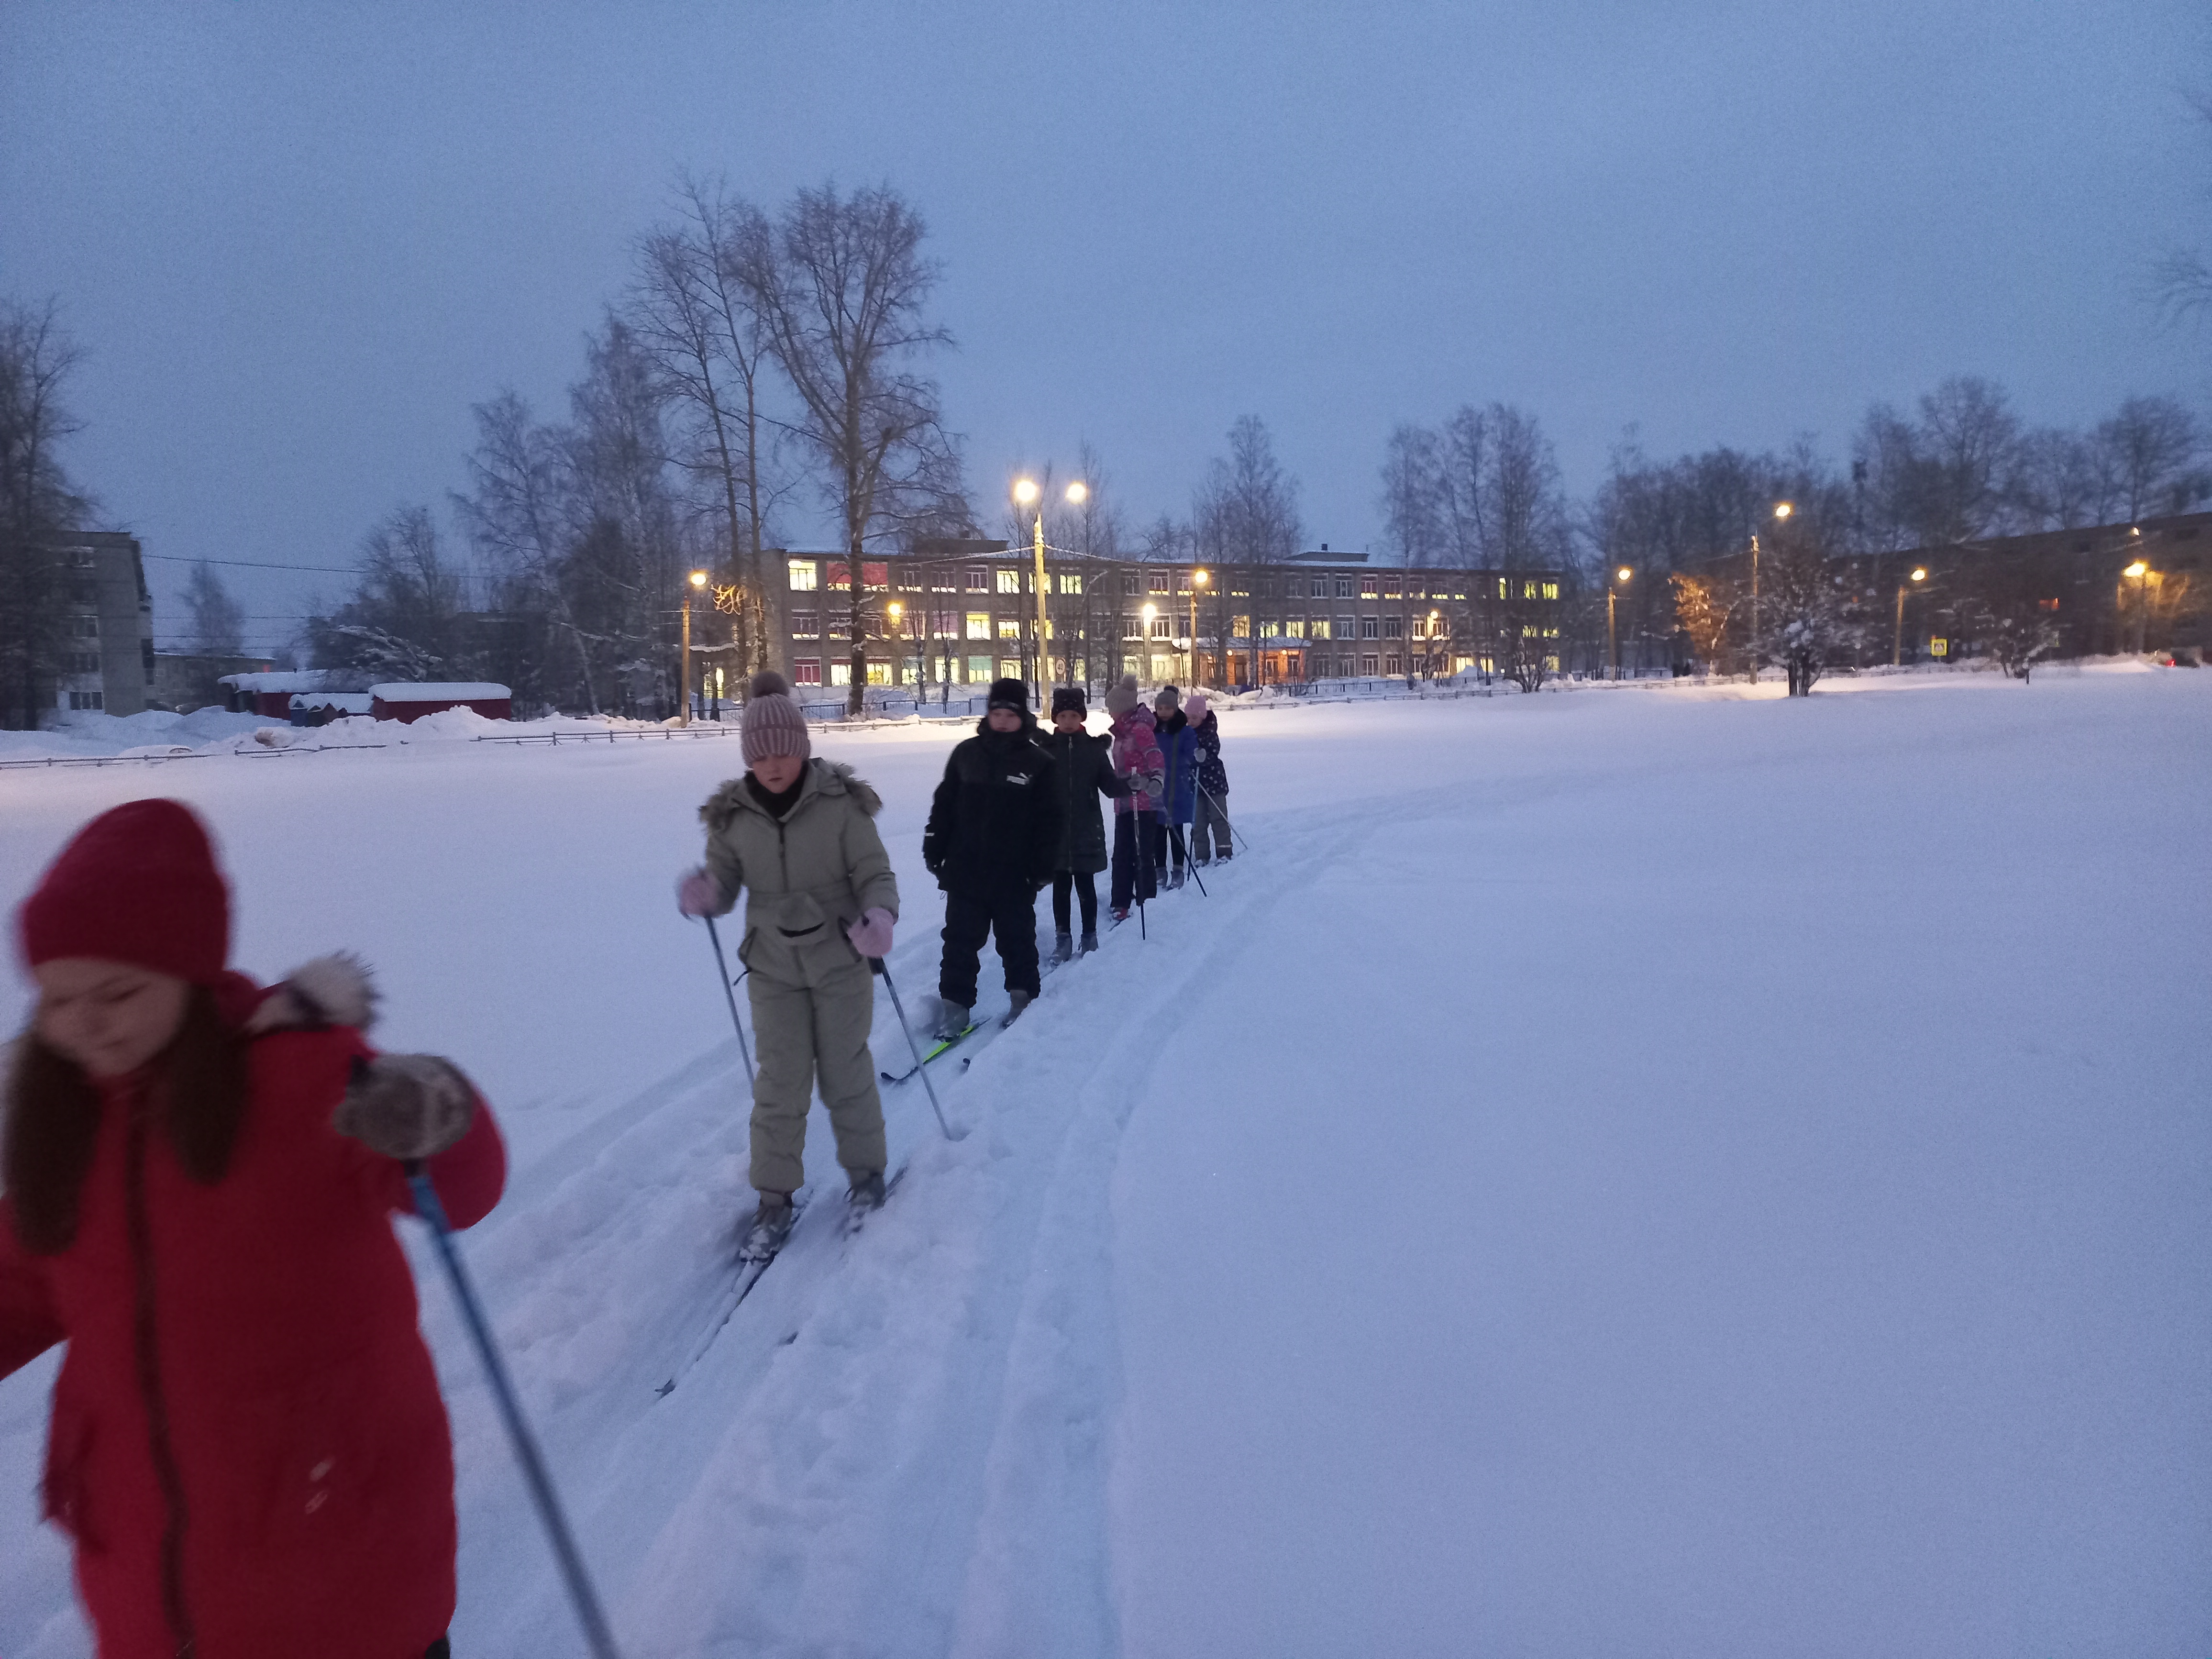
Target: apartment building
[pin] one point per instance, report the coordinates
(105, 661)
(966, 613)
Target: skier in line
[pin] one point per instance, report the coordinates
(1084, 766)
(1178, 751)
(1210, 838)
(993, 831)
(798, 833)
(1139, 764)
(247, 1447)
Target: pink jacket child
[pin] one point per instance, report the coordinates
(1137, 756)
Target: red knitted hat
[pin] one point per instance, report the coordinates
(138, 885)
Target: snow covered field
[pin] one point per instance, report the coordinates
(1635, 1172)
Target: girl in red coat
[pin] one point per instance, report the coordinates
(247, 1447)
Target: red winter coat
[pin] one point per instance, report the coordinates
(315, 1471)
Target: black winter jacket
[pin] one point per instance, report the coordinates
(995, 823)
(1084, 771)
(1212, 777)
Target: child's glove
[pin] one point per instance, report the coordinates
(406, 1106)
(697, 893)
(871, 933)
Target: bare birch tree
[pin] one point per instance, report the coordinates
(843, 300)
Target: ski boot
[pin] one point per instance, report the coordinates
(771, 1226)
(1089, 943)
(1175, 878)
(1019, 999)
(1063, 947)
(1120, 916)
(866, 1191)
(951, 1021)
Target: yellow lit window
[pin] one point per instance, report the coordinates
(1010, 581)
(1551, 590)
(805, 576)
(1009, 629)
(979, 624)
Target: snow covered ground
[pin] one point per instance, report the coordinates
(1652, 1172)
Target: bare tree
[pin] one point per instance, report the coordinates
(1412, 496)
(1705, 608)
(843, 301)
(517, 513)
(1250, 504)
(218, 624)
(697, 305)
(403, 619)
(38, 502)
(2149, 452)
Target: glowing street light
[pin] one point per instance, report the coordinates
(1077, 493)
(1612, 590)
(696, 580)
(1897, 643)
(1782, 511)
(1198, 580)
(1025, 491)
(1030, 494)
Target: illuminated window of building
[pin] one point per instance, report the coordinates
(1009, 629)
(1551, 590)
(1320, 628)
(1295, 628)
(1071, 581)
(979, 670)
(805, 575)
(1390, 586)
(1367, 588)
(979, 624)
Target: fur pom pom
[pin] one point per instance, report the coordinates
(332, 990)
(769, 684)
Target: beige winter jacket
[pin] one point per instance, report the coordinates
(809, 874)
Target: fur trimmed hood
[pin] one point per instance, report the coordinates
(828, 777)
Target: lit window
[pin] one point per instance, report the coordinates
(807, 671)
(1071, 581)
(1010, 668)
(1501, 587)
(1243, 627)
(805, 577)
(1367, 588)
(979, 670)
(1295, 628)
(841, 673)
(979, 624)
(1390, 585)
(1009, 629)
(1163, 669)
(1010, 581)
(1320, 628)
(1528, 590)
(879, 673)
(1551, 590)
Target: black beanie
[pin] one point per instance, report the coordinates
(1010, 694)
(1068, 700)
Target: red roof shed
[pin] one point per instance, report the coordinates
(408, 703)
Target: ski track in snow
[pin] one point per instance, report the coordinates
(918, 1441)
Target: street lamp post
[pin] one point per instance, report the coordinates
(697, 580)
(1612, 642)
(893, 610)
(2141, 572)
(1028, 494)
(1198, 580)
(1782, 511)
(1150, 611)
(1897, 644)
(1435, 617)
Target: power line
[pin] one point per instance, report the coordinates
(255, 564)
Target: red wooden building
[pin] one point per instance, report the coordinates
(408, 703)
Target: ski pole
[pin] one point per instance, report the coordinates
(596, 1630)
(1224, 811)
(1190, 860)
(722, 973)
(876, 964)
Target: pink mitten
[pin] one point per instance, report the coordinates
(871, 933)
(697, 894)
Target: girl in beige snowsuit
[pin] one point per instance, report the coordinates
(799, 834)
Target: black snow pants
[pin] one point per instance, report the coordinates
(1007, 912)
(1136, 867)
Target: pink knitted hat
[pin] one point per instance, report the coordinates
(773, 724)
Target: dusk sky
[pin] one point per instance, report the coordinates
(298, 242)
